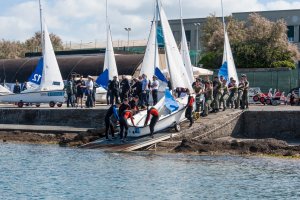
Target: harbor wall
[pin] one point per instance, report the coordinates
(81, 118)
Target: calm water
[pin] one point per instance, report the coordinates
(49, 172)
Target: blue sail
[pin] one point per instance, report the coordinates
(103, 79)
(224, 71)
(170, 102)
(160, 75)
(36, 76)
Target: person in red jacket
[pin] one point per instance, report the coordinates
(124, 124)
(189, 108)
(155, 116)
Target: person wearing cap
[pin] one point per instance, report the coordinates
(80, 84)
(124, 88)
(154, 87)
(114, 87)
(89, 86)
(216, 93)
(245, 103)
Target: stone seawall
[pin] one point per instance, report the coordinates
(81, 118)
(271, 124)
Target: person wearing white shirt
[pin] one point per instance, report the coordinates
(89, 92)
(154, 88)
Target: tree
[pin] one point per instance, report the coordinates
(34, 43)
(256, 43)
(17, 49)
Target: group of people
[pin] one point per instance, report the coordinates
(140, 87)
(76, 89)
(219, 94)
(122, 113)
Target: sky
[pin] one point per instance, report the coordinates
(84, 20)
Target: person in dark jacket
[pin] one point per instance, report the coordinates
(69, 90)
(109, 125)
(17, 88)
(189, 108)
(124, 106)
(137, 88)
(134, 104)
(114, 87)
(124, 88)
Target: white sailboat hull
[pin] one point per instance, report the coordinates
(56, 96)
(162, 124)
(165, 121)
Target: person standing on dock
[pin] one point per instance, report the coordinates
(217, 84)
(80, 84)
(145, 91)
(189, 108)
(208, 94)
(109, 126)
(245, 103)
(124, 88)
(69, 90)
(89, 92)
(154, 88)
(224, 97)
(233, 93)
(127, 114)
(114, 88)
(238, 101)
(155, 116)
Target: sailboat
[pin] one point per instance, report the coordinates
(228, 68)
(171, 110)
(110, 67)
(51, 85)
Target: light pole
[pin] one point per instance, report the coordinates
(128, 30)
(197, 41)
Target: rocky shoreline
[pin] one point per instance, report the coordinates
(233, 146)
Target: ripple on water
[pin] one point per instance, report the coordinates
(48, 172)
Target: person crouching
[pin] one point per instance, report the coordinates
(189, 108)
(124, 124)
(155, 116)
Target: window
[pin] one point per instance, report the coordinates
(188, 36)
(290, 33)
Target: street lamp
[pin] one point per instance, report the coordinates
(128, 30)
(197, 41)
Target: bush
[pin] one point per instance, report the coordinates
(285, 63)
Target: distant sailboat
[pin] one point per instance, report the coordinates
(110, 67)
(228, 68)
(50, 89)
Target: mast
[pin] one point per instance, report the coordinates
(156, 44)
(224, 29)
(167, 57)
(107, 35)
(41, 24)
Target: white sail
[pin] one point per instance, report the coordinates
(227, 57)
(185, 54)
(151, 57)
(51, 78)
(4, 90)
(109, 60)
(178, 74)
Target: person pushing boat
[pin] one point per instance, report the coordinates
(155, 116)
(109, 125)
(126, 114)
